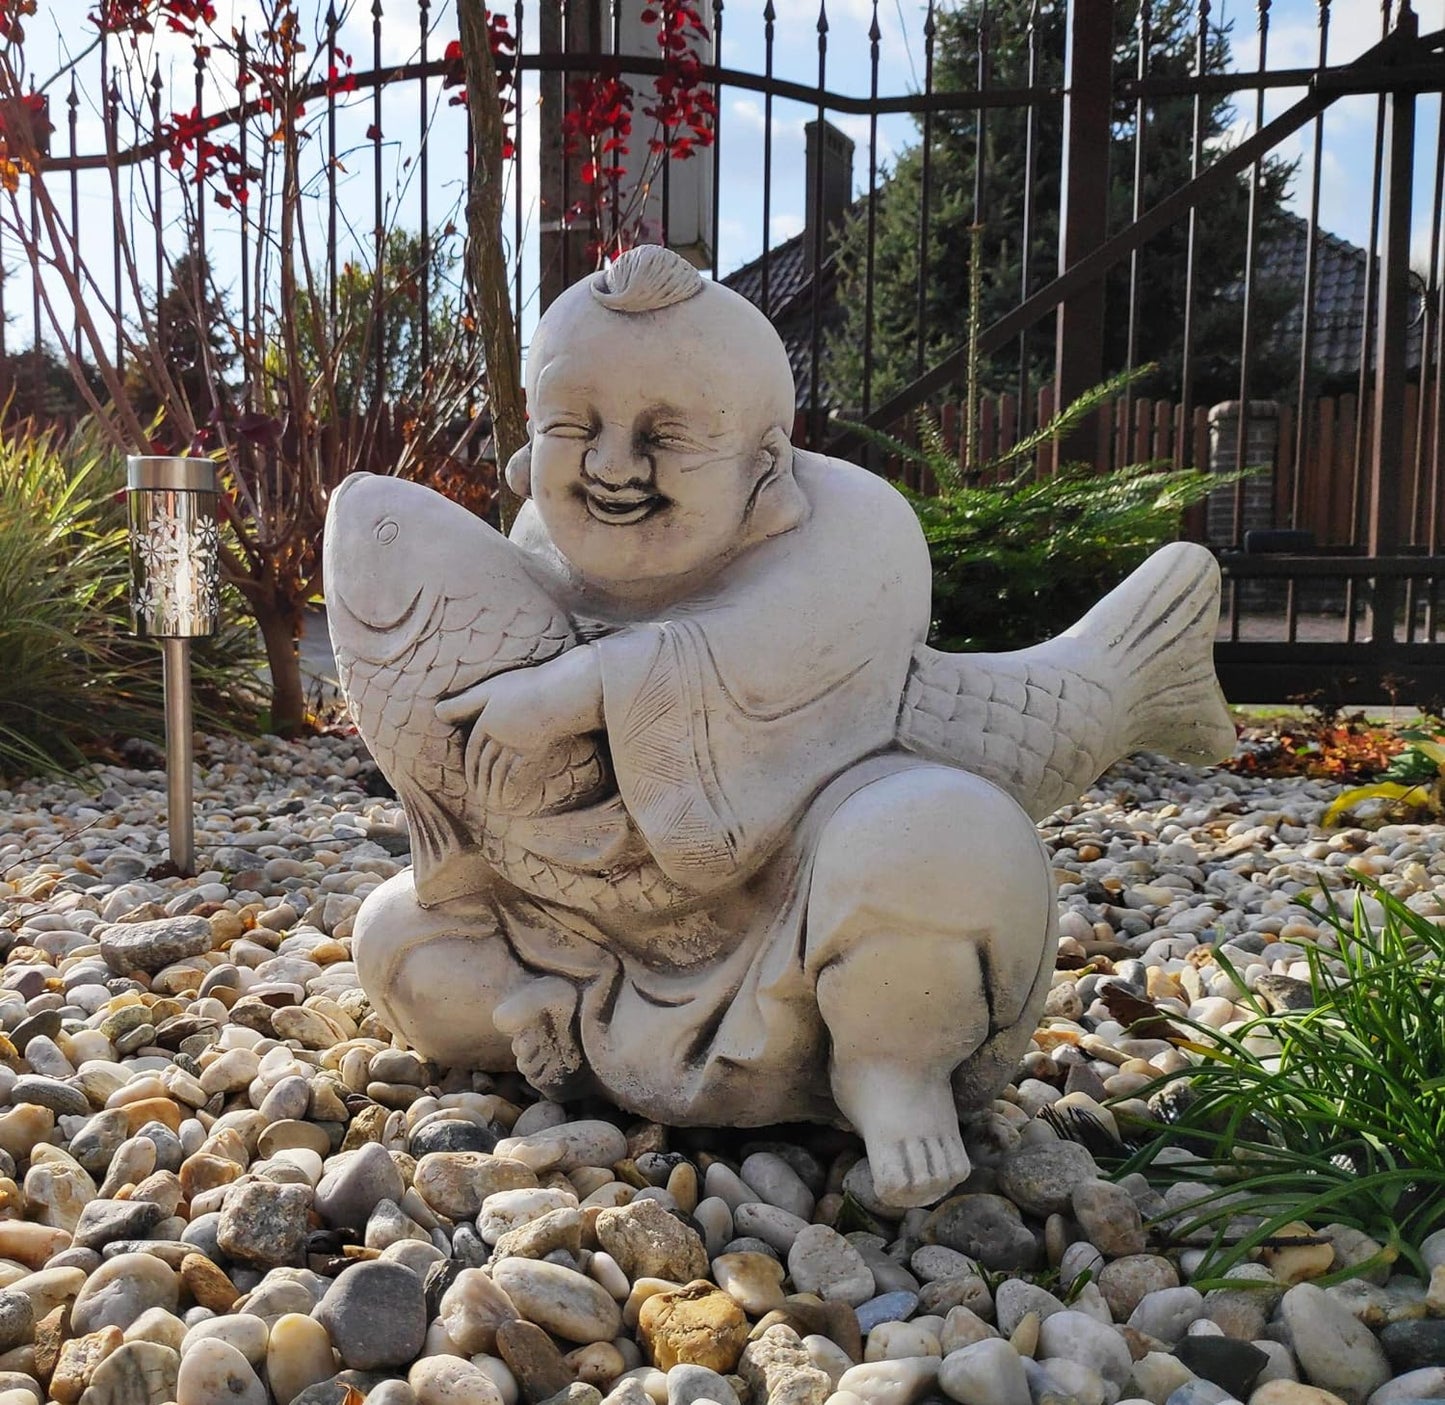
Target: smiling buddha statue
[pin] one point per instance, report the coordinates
(699, 821)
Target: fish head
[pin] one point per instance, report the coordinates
(391, 551)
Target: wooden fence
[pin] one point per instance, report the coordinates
(1318, 490)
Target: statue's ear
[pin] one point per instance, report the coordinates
(778, 504)
(519, 471)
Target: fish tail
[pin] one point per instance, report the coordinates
(1154, 633)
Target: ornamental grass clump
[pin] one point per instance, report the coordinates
(1333, 1113)
(72, 677)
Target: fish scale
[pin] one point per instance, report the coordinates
(461, 606)
(493, 619)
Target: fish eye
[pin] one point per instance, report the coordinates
(386, 531)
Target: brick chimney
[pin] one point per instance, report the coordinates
(837, 193)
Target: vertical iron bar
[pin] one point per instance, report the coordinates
(72, 102)
(199, 265)
(819, 222)
(1191, 258)
(666, 175)
(378, 296)
(243, 63)
(1437, 448)
(1388, 436)
(717, 32)
(565, 213)
(331, 163)
(156, 177)
(423, 168)
(975, 274)
(770, 16)
(518, 227)
(875, 34)
(1437, 441)
(112, 145)
(200, 101)
(1367, 325)
(1141, 116)
(1026, 236)
(615, 183)
(1251, 275)
(1083, 215)
(925, 181)
(1303, 421)
(1430, 318)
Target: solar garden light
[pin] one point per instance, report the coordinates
(175, 597)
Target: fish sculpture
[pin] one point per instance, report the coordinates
(439, 601)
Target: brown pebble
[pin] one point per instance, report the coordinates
(50, 1334)
(366, 1126)
(697, 1324)
(535, 1361)
(1025, 1338)
(203, 1172)
(78, 1359)
(137, 1114)
(644, 1137)
(207, 1283)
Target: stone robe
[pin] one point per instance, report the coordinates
(737, 720)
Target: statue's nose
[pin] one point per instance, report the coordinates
(614, 461)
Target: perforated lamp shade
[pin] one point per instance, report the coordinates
(174, 547)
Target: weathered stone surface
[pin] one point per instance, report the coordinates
(264, 1224)
(151, 946)
(375, 1314)
(715, 759)
(534, 1360)
(648, 1242)
(776, 1367)
(697, 1324)
(565, 1302)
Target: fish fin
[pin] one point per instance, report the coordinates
(445, 863)
(1136, 673)
(1156, 632)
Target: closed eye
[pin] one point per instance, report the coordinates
(567, 429)
(672, 440)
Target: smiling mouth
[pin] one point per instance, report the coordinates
(622, 509)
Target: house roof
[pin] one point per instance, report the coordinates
(1341, 276)
(1342, 272)
(790, 284)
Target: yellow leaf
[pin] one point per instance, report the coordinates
(1382, 790)
(1432, 751)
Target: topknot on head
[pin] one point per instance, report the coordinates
(646, 279)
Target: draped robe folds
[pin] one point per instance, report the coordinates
(738, 717)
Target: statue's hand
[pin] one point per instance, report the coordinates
(529, 709)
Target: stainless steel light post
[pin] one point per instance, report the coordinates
(175, 597)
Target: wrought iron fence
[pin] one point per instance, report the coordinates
(1075, 87)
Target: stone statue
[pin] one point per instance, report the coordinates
(699, 822)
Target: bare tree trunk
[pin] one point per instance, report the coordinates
(279, 634)
(486, 264)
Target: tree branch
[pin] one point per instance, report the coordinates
(485, 260)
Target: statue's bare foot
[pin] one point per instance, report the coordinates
(910, 1127)
(540, 1018)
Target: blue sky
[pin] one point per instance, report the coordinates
(1293, 38)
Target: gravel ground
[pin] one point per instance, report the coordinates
(220, 1182)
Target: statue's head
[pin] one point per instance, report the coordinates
(660, 405)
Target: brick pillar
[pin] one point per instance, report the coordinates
(1261, 445)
